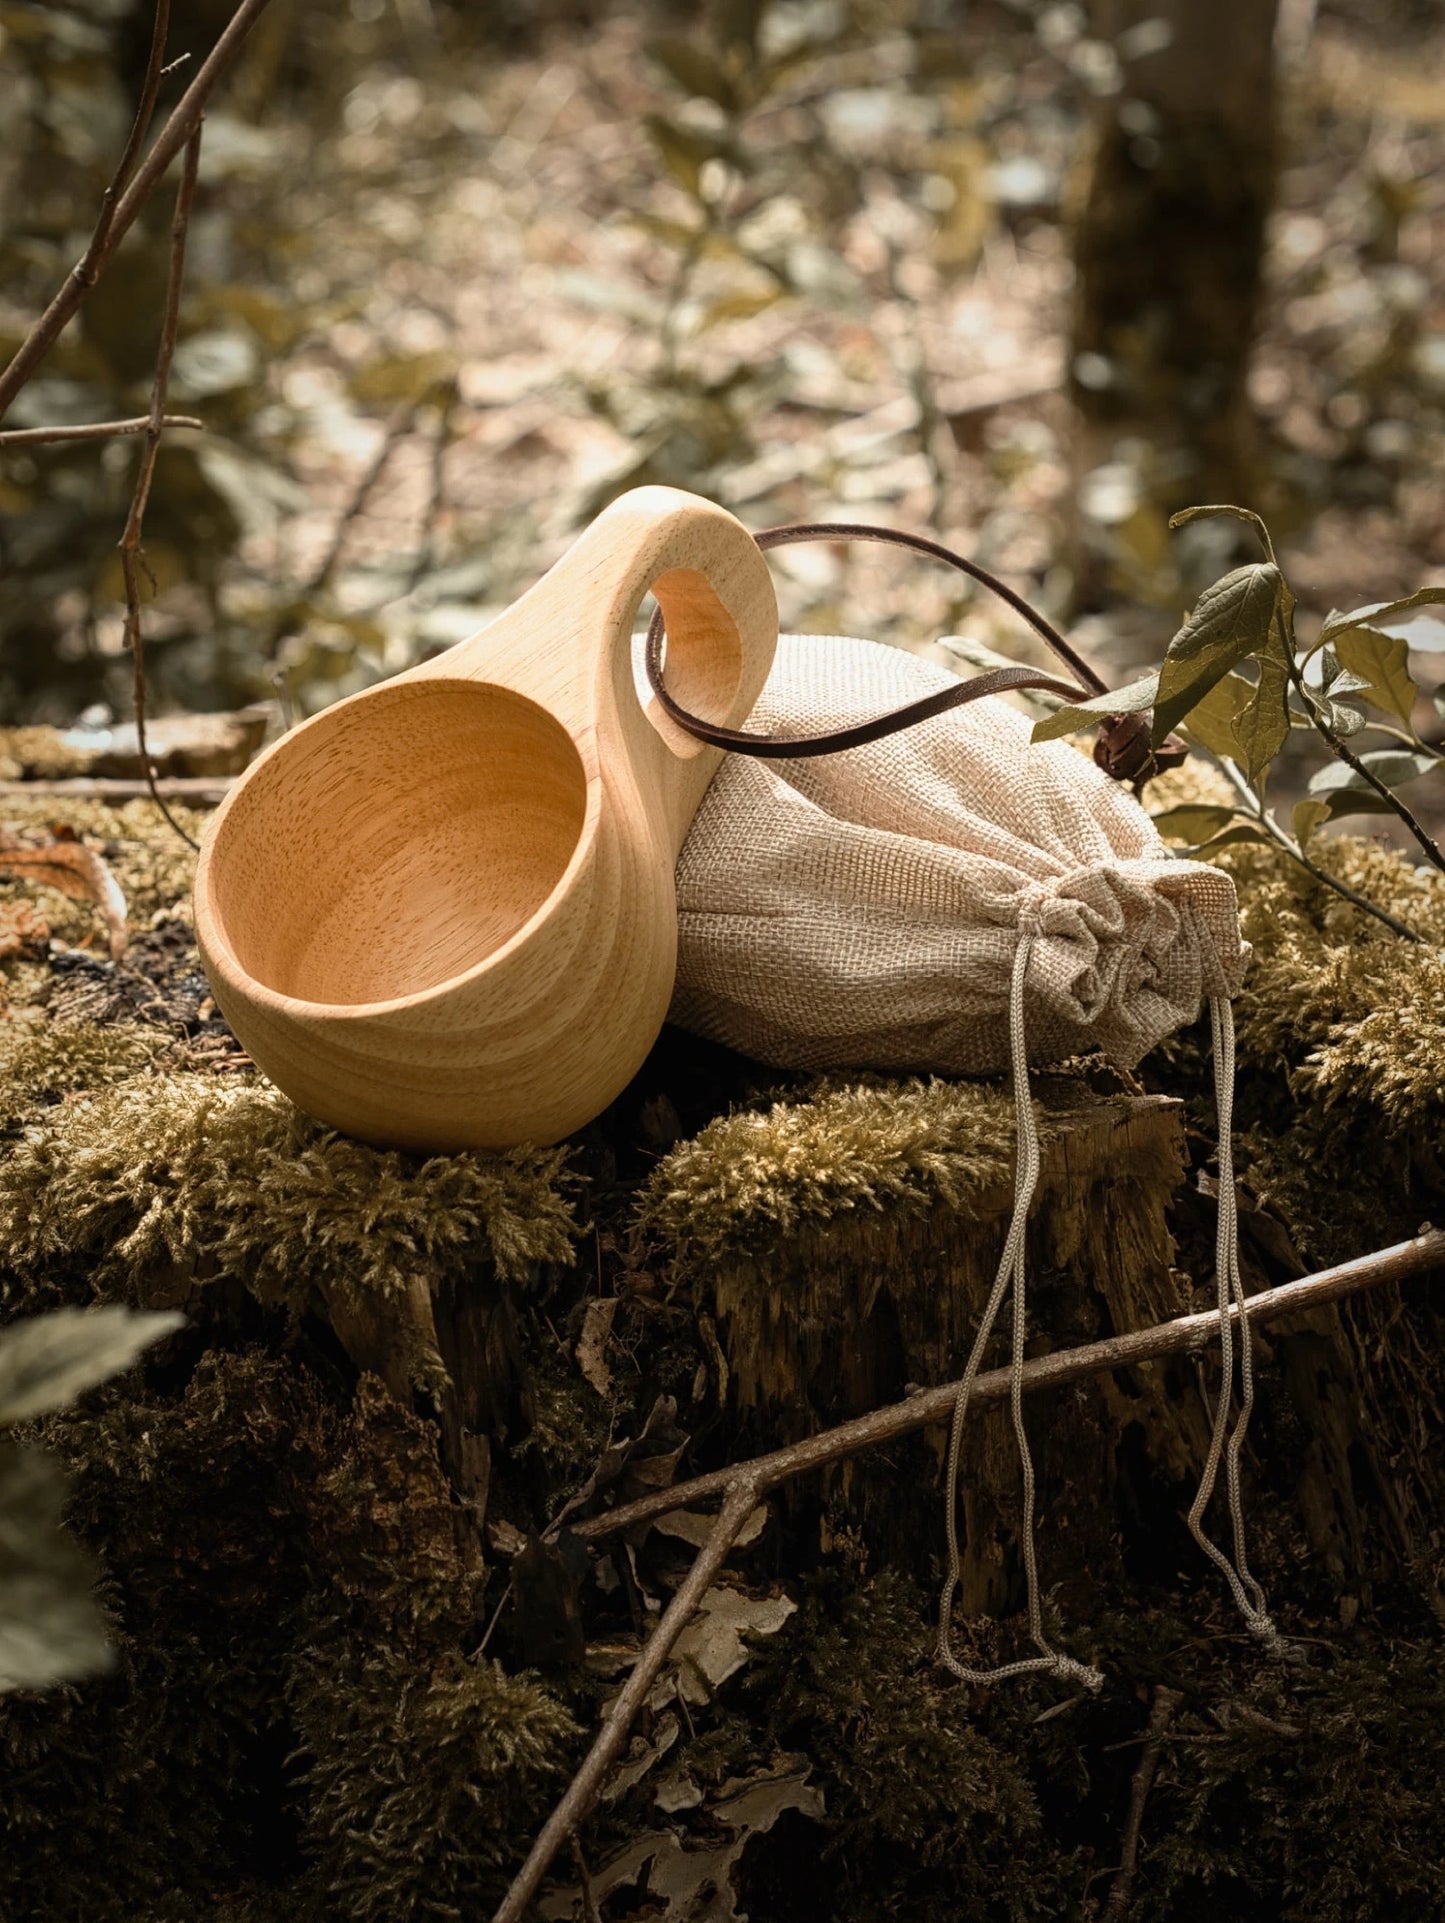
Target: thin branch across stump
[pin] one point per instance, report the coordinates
(744, 1484)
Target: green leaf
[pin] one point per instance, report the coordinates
(741, 305)
(1323, 674)
(1343, 719)
(1380, 614)
(47, 1361)
(1308, 816)
(1193, 821)
(1393, 766)
(50, 1628)
(1187, 514)
(1231, 621)
(682, 151)
(1135, 698)
(695, 69)
(1383, 662)
(1211, 720)
(1262, 726)
(1245, 831)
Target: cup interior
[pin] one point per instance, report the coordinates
(397, 840)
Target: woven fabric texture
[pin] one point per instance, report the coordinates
(862, 910)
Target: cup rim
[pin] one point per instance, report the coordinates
(219, 952)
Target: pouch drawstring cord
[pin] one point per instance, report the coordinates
(1226, 1444)
(1248, 1596)
(1011, 1270)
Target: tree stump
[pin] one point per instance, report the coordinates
(833, 1297)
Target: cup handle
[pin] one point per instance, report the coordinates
(568, 642)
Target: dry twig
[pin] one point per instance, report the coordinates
(446, 400)
(1166, 1703)
(91, 430)
(582, 1790)
(197, 791)
(132, 553)
(743, 1485)
(590, 1911)
(132, 184)
(1186, 1333)
(398, 426)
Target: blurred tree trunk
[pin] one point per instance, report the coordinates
(1169, 240)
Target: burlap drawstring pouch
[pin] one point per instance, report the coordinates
(888, 873)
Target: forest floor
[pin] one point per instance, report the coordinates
(861, 311)
(447, 296)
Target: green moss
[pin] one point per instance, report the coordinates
(1315, 1801)
(39, 753)
(750, 1179)
(41, 1063)
(929, 1814)
(419, 1781)
(362, 1770)
(175, 1182)
(1322, 968)
(1341, 1039)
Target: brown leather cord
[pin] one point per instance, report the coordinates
(1122, 749)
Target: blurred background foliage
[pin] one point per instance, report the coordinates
(458, 275)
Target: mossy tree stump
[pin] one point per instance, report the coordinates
(846, 1246)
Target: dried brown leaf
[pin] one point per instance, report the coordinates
(77, 871)
(592, 1347)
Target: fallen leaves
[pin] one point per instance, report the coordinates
(696, 1884)
(73, 869)
(592, 1347)
(711, 1648)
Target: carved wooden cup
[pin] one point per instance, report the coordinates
(441, 913)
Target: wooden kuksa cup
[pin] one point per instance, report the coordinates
(441, 914)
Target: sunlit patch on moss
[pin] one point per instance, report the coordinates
(751, 1178)
(41, 1064)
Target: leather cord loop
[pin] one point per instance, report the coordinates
(1122, 749)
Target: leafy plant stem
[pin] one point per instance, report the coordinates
(1259, 813)
(1343, 752)
(1407, 738)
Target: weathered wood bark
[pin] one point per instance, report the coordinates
(1169, 243)
(847, 1315)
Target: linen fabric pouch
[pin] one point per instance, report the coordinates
(956, 898)
(862, 910)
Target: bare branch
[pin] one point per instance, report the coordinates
(1161, 1715)
(92, 430)
(398, 425)
(118, 214)
(156, 71)
(744, 1484)
(132, 553)
(738, 1505)
(1188, 1332)
(446, 399)
(197, 791)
